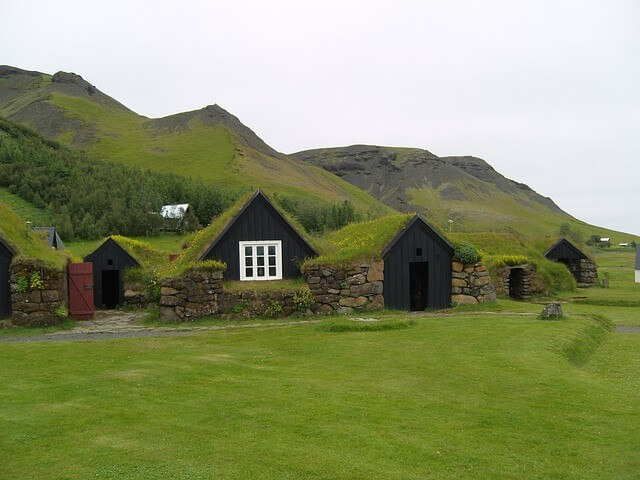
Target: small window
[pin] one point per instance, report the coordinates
(418, 252)
(261, 260)
(110, 261)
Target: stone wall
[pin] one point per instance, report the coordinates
(201, 293)
(36, 306)
(588, 273)
(192, 295)
(521, 287)
(471, 284)
(341, 290)
(136, 296)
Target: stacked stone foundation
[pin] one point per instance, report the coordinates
(471, 284)
(346, 289)
(588, 273)
(36, 306)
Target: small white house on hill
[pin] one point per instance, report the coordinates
(176, 212)
(637, 264)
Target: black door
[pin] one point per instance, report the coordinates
(110, 288)
(5, 292)
(418, 285)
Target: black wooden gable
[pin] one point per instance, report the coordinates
(111, 256)
(417, 246)
(259, 220)
(5, 250)
(564, 249)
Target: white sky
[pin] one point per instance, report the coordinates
(546, 91)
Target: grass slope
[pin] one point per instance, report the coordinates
(26, 210)
(212, 153)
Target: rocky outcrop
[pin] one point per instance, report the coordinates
(471, 284)
(345, 289)
(38, 293)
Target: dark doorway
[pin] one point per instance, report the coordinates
(5, 291)
(516, 283)
(110, 288)
(418, 285)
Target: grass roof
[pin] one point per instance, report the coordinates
(201, 241)
(144, 253)
(28, 245)
(359, 242)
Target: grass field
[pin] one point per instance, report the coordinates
(476, 393)
(29, 212)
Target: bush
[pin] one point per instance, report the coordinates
(273, 310)
(465, 252)
(302, 300)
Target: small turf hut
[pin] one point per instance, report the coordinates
(579, 264)
(109, 260)
(53, 239)
(6, 255)
(257, 242)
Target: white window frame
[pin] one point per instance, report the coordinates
(266, 244)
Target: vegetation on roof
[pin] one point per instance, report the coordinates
(362, 241)
(28, 245)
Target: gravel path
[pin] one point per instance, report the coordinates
(109, 324)
(627, 328)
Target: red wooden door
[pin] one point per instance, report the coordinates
(81, 290)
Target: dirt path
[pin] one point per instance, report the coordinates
(118, 324)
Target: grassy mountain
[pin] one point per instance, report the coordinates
(466, 190)
(209, 144)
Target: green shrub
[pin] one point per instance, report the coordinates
(35, 282)
(23, 284)
(61, 312)
(466, 253)
(273, 310)
(302, 300)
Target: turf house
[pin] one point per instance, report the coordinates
(259, 243)
(109, 262)
(578, 263)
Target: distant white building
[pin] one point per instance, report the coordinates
(175, 212)
(623, 244)
(606, 239)
(638, 265)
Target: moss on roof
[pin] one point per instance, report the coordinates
(28, 245)
(144, 253)
(359, 242)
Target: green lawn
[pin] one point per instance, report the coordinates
(469, 394)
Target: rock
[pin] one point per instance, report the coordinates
(324, 309)
(376, 303)
(357, 279)
(50, 296)
(313, 280)
(129, 294)
(479, 282)
(480, 267)
(458, 282)
(333, 291)
(170, 301)
(372, 288)
(552, 310)
(165, 291)
(469, 269)
(489, 297)
(327, 273)
(167, 314)
(376, 272)
(352, 302)
(344, 310)
(457, 266)
(463, 299)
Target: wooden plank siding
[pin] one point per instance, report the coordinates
(6, 255)
(435, 251)
(565, 249)
(260, 221)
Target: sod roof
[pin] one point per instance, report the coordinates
(27, 244)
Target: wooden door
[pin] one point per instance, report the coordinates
(81, 290)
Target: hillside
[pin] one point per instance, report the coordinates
(209, 144)
(464, 189)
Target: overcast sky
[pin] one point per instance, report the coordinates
(548, 92)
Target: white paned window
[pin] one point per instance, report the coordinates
(261, 260)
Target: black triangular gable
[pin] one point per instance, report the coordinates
(132, 262)
(419, 221)
(569, 245)
(258, 196)
(6, 249)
